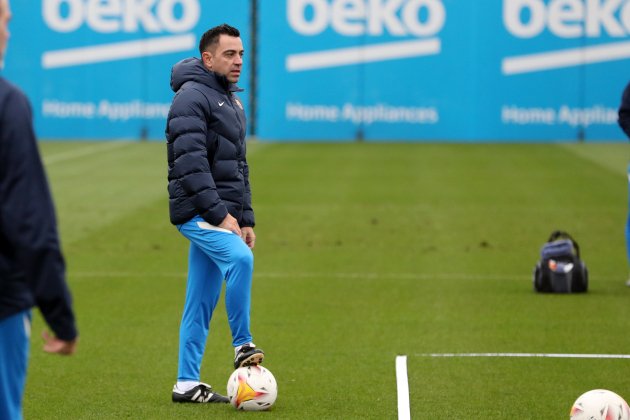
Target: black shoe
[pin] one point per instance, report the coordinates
(248, 356)
(202, 393)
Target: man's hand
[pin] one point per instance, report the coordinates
(56, 346)
(231, 224)
(249, 237)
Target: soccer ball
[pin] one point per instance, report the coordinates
(252, 388)
(600, 404)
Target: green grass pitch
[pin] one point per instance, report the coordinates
(364, 252)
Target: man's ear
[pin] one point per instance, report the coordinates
(206, 57)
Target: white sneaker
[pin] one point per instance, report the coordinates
(201, 393)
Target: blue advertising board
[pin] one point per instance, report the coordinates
(558, 69)
(334, 70)
(510, 70)
(352, 69)
(100, 69)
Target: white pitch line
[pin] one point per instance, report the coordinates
(525, 355)
(404, 276)
(84, 151)
(334, 275)
(402, 387)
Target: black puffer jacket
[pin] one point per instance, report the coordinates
(624, 111)
(32, 268)
(208, 173)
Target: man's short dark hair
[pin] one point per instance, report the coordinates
(211, 36)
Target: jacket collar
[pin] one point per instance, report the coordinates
(192, 69)
(223, 82)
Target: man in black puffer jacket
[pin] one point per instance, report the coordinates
(32, 269)
(624, 123)
(624, 111)
(210, 203)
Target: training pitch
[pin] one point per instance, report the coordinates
(364, 253)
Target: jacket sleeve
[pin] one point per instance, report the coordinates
(187, 131)
(27, 217)
(248, 219)
(624, 111)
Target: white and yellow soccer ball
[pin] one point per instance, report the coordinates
(252, 388)
(600, 404)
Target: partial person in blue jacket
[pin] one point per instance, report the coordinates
(624, 123)
(32, 268)
(210, 203)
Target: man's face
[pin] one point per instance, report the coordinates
(226, 59)
(5, 17)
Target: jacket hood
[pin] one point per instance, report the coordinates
(192, 69)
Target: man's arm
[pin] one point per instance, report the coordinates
(248, 212)
(624, 111)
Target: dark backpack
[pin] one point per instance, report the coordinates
(560, 269)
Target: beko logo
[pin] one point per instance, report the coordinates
(174, 17)
(567, 19)
(353, 18)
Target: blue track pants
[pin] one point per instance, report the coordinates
(14, 348)
(215, 254)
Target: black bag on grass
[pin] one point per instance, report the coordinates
(560, 269)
